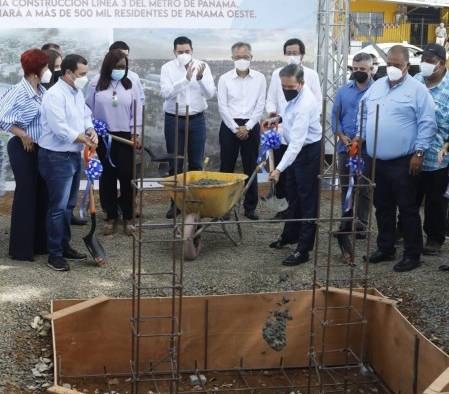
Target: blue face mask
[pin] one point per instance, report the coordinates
(118, 75)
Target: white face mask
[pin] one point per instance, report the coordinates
(394, 73)
(375, 69)
(184, 59)
(242, 64)
(294, 60)
(427, 69)
(46, 76)
(81, 82)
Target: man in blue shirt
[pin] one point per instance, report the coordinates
(346, 109)
(66, 127)
(405, 131)
(433, 179)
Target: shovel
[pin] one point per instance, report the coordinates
(271, 202)
(94, 247)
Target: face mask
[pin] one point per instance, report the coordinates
(375, 69)
(359, 76)
(394, 73)
(57, 74)
(118, 75)
(81, 82)
(242, 64)
(184, 59)
(46, 76)
(294, 60)
(290, 94)
(427, 69)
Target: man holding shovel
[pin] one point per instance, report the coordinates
(66, 128)
(301, 161)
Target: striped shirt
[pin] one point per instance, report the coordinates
(440, 94)
(20, 106)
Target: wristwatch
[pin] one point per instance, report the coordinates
(419, 153)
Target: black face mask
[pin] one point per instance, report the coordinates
(359, 76)
(290, 94)
(56, 75)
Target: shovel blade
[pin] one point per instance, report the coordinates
(95, 249)
(274, 204)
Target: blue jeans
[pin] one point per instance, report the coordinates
(197, 139)
(61, 172)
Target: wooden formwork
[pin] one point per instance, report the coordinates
(93, 337)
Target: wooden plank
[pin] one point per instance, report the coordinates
(77, 308)
(62, 390)
(357, 294)
(391, 351)
(441, 385)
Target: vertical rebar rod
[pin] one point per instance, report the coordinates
(368, 243)
(181, 253)
(136, 272)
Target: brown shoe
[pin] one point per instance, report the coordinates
(109, 227)
(129, 228)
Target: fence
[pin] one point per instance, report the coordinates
(417, 33)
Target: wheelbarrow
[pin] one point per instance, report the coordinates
(218, 202)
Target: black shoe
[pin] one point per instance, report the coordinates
(280, 243)
(58, 263)
(72, 254)
(378, 256)
(406, 264)
(282, 214)
(226, 217)
(252, 215)
(74, 221)
(296, 259)
(171, 211)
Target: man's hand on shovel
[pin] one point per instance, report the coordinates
(274, 176)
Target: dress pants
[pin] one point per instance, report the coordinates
(302, 187)
(197, 140)
(230, 146)
(431, 188)
(61, 172)
(396, 188)
(121, 156)
(28, 234)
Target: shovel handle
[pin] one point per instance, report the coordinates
(123, 140)
(92, 209)
(271, 160)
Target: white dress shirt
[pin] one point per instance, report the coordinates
(276, 100)
(241, 98)
(301, 125)
(64, 115)
(175, 85)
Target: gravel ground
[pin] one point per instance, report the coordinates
(27, 288)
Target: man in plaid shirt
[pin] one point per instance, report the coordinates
(433, 180)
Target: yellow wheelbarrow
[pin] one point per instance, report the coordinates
(214, 201)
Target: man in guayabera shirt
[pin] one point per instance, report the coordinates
(407, 126)
(433, 179)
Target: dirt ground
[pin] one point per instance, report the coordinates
(27, 288)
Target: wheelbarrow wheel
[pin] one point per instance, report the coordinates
(192, 242)
(236, 240)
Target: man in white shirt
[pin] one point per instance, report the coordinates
(135, 79)
(186, 81)
(241, 101)
(294, 51)
(301, 162)
(66, 127)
